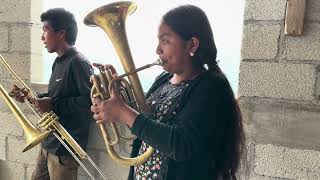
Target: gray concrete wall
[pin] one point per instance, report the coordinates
(279, 92)
(18, 29)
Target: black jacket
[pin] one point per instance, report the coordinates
(69, 87)
(193, 143)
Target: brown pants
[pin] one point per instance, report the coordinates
(51, 167)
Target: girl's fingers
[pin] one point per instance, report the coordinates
(96, 101)
(97, 64)
(97, 116)
(100, 122)
(94, 108)
(111, 68)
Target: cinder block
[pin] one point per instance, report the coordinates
(282, 162)
(20, 37)
(313, 10)
(305, 47)
(282, 123)
(277, 80)
(96, 141)
(15, 147)
(3, 147)
(4, 37)
(15, 11)
(19, 63)
(265, 9)
(12, 171)
(10, 125)
(260, 41)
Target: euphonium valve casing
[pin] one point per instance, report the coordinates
(111, 18)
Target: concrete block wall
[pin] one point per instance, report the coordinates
(20, 45)
(279, 92)
(18, 29)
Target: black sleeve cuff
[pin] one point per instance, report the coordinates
(138, 124)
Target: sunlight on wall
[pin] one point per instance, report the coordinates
(226, 19)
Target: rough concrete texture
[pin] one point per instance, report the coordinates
(20, 36)
(12, 171)
(312, 11)
(14, 151)
(11, 126)
(97, 142)
(305, 47)
(294, 125)
(265, 9)
(3, 147)
(4, 37)
(112, 170)
(19, 63)
(282, 162)
(260, 41)
(277, 80)
(15, 10)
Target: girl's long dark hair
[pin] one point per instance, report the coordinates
(190, 21)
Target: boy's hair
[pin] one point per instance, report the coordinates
(61, 19)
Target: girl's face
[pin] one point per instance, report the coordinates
(173, 50)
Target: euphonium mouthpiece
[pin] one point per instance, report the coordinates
(158, 62)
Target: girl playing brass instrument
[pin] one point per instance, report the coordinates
(195, 122)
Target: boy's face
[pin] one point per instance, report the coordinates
(50, 38)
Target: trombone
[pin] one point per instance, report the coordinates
(48, 123)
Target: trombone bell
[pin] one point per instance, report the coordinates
(33, 136)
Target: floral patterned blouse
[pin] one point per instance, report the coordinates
(164, 104)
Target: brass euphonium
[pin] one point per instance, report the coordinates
(111, 18)
(48, 123)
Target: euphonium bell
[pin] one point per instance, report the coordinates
(111, 18)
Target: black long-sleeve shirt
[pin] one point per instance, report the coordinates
(193, 143)
(69, 87)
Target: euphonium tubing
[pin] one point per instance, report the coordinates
(100, 90)
(111, 18)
